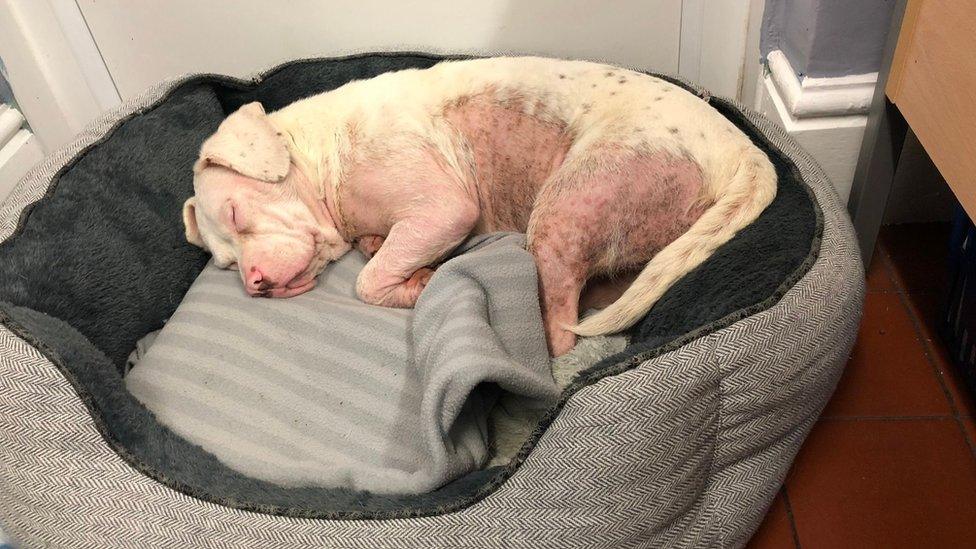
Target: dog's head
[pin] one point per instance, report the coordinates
(254, 210)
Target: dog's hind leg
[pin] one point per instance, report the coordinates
(609, 217)
(560, 251)
(561, 279)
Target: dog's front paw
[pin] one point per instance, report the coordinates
(403, 293)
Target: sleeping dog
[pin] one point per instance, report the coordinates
(607, 170)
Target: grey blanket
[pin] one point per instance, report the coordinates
(324, 390)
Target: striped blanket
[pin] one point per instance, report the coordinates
(324, 390)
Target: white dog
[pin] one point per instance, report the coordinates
(607, 170)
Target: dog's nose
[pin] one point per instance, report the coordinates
(255, 279)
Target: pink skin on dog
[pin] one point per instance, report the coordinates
(602, 182)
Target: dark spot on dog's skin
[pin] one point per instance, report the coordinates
(243, 155)
(253, 269)
(592, 85)
(562, 76)
(658, 98)
(666, 89)
(673, 130)
(623, 80)
(701, 134)
(587, 107)
(613, 93)
(609, 74)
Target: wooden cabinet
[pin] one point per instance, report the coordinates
(933, 84)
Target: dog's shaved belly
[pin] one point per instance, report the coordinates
(513, 153)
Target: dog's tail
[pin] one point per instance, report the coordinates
(750, 187)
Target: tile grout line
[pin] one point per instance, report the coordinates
(926, 348)
(889, 418)
(789, 514)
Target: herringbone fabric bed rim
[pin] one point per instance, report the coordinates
(832, 270)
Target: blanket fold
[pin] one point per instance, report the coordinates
(324, 390)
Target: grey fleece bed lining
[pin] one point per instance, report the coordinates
(324, 390)
(651, 338)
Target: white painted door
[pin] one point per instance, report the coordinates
(145, 41)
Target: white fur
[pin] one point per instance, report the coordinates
(247, 143)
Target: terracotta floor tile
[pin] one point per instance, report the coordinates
(927, 307)
(888, 374)
(969, 426)
(918, 253)
(928, 242)
(878, 279)
(955, 383)
(775, 532)
(962, 395)
(884, 483)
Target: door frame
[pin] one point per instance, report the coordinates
(54, 68)
(719, 46)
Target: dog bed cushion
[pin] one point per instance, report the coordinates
(324, 390)
(681, 439)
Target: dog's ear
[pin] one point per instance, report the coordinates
(249, 144)
(190, 222)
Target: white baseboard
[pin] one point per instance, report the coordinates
(834, 141)
(806, 97)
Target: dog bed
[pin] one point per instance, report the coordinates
(681, 439)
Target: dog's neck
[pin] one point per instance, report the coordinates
(319, 198)
(320, 150)
(330, 198)
(321, 186)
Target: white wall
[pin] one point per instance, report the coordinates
(145, 41)
(70, 60)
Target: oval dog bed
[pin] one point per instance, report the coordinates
(682, 439)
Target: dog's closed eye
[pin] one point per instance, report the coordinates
(235, 218)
